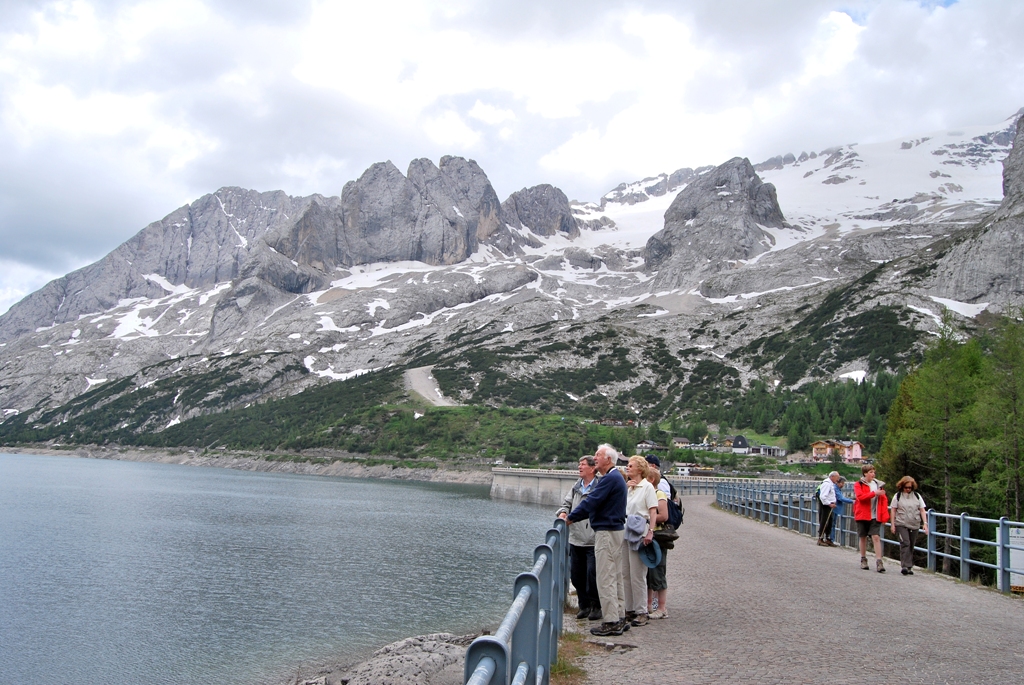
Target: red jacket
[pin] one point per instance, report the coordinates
(862, 496)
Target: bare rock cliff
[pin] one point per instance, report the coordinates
(713, 222)
(988, 264)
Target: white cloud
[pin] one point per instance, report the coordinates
(489, 114)
(18, 280)
(450, 129)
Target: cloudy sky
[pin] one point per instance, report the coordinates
(113, 113)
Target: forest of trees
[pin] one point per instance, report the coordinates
(841, 410)
(957, 423)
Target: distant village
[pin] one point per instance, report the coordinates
(847, 451)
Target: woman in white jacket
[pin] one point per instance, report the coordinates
(642, 501)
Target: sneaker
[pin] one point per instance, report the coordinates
(606, 629)
(640, 620)
(595, 614)
(864, 563)
(878, 566)
(583, 613)
(658, 613)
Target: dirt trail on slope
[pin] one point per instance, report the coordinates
(422, 382)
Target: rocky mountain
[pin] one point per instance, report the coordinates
(987, 263)
(812, 266)
(712, 224)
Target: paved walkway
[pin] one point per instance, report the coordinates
(750, 603)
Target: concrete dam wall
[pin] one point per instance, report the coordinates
(536, 486)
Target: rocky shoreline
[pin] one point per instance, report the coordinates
(435, 659)
(319, 464)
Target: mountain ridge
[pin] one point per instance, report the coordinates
(242, 296)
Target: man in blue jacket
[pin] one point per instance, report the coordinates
(606, 509)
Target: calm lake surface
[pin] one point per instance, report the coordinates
(120, 572)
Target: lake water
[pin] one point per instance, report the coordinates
(120, 572)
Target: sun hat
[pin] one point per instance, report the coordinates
(650, 554)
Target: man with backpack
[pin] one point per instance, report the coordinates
(826, 496)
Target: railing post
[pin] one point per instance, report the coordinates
(523, 647)
(965, 548)
(547, 631)
(933, 521)
(1003, 554)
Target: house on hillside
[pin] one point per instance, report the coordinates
(768, 451)
(681, 443)
(849, 451)
(648, 446)
(739, 445)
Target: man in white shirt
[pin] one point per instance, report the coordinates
(826, 506)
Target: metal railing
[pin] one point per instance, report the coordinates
(798, 511)
(704, 485)
(526, 643)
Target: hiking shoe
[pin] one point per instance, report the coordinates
(658, 613)
(878, 566)
(910, 571)
(595, 614)
(640, 620)
(904, 571)
(630, 615)
(864, 563)
(623, 625)
(824, 543)
(583, 613)
(606, 629)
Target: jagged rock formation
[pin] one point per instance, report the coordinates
(987, 265)
(544, 209)
(436, 215)
(271, 245)
(196, 246)
(713, 223)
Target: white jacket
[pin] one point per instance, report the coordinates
(827, 492)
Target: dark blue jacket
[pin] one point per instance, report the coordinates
(605, 506)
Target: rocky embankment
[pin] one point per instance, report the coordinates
(319, 464)
(435, 659)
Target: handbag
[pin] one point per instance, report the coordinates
(666, 536)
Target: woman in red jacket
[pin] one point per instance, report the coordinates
(870, 511)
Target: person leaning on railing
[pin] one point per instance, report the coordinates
(606, 509)
(582, 563)
(908, 516)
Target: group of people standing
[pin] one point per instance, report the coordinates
(615, 565)
(905, 513)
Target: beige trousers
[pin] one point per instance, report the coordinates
(607, 555)
(634, 579)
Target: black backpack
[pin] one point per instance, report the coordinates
(675, 511)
